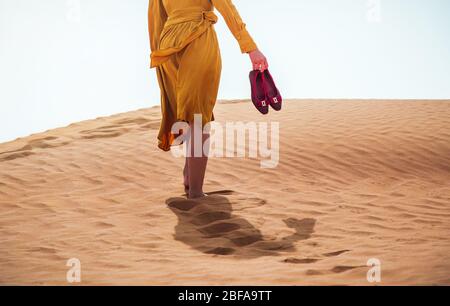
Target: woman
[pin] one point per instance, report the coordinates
(186, 55)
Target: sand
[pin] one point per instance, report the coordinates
(356, 180)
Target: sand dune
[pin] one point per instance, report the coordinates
(356, 180)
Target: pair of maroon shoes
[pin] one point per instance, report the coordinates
(264, 91)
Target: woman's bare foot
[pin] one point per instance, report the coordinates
(199, 195)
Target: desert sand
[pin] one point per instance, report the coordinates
(356, 180)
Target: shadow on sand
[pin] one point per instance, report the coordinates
(209, 226)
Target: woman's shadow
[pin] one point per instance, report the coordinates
(209, 226)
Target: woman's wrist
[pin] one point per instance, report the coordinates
(259, 61)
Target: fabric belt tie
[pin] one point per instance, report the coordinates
(205, 20)
(181, 16)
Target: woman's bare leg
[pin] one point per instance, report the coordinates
(186, 176)
(196, 166)
(186, 166)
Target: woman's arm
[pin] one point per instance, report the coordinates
(157, 16)
(239, 31)
(235, 24)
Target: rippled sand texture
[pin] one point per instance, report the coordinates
(356, 180)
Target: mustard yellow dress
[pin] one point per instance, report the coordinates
(186, 55)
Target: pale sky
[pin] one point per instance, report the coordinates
(62, 61)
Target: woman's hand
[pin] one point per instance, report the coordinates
(258, 59)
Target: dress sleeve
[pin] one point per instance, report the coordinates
(235, 24)
(157, 17)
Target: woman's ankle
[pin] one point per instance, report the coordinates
(196, 194)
